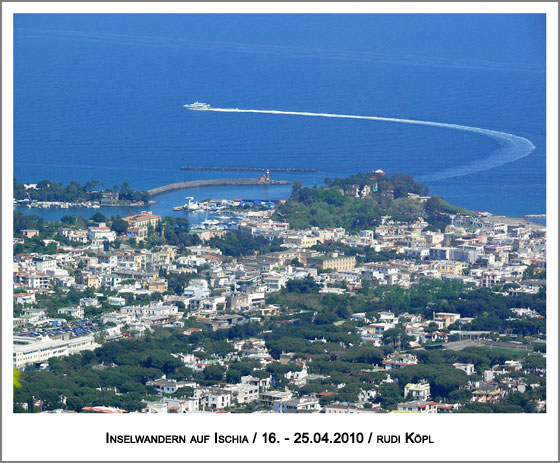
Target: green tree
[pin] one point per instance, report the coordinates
(233, 376)
(98, 217)
(214, 373)
(388, 396)
(119, 225)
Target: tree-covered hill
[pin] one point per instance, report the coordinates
(336, 204)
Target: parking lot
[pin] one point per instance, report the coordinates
(68, 329)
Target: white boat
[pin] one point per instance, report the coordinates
(197, 106)
(192, 205)
(209, 224)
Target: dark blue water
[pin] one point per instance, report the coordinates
(101, 97)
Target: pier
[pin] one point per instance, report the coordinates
(246, 169)
(215, 182)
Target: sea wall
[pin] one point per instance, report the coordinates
(215, 182)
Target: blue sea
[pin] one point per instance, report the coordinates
(101, 97)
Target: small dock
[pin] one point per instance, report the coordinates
(214, 182)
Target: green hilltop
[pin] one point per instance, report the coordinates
(360, 201)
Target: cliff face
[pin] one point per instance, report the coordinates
(215, 182)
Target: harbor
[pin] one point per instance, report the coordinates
(169, 203)
(216, 205)
(222, 214)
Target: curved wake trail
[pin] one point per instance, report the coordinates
(512, 147)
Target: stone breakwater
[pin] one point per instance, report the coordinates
(215, 182)
(247, 169)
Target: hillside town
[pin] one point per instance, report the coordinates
(387, 319)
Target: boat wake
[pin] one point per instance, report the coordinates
(511, 147)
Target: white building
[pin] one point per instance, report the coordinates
(525, 312)
(349, 408)
(76, 312)
(198, 289)
(378, 328)
(243, 393)
(44, 265)
(115, 300)
(110, 280)
(397, 361)
(419, 391)
(171, 405)
(32, 280)
(468, 368)
(166, 386)
(387, 317)
(417, 253)
(302, 404)
(262, 383)
(268, 398)
(41, 350)
(101, 234)
(298, 378)
(216, 399)
(117, 318)
(158, 310)
(89, 302)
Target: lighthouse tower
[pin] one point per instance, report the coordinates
(267, 177)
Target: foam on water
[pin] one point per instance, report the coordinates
(512, 147)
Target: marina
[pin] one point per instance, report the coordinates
(222, 214)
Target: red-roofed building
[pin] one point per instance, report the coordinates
(417, 406)
(24, 298)
(190, 331)
(103, 410)
(487, 396)
(446, 408)
(138, 224)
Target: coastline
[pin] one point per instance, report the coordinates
(531, 220)
(81, 205)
